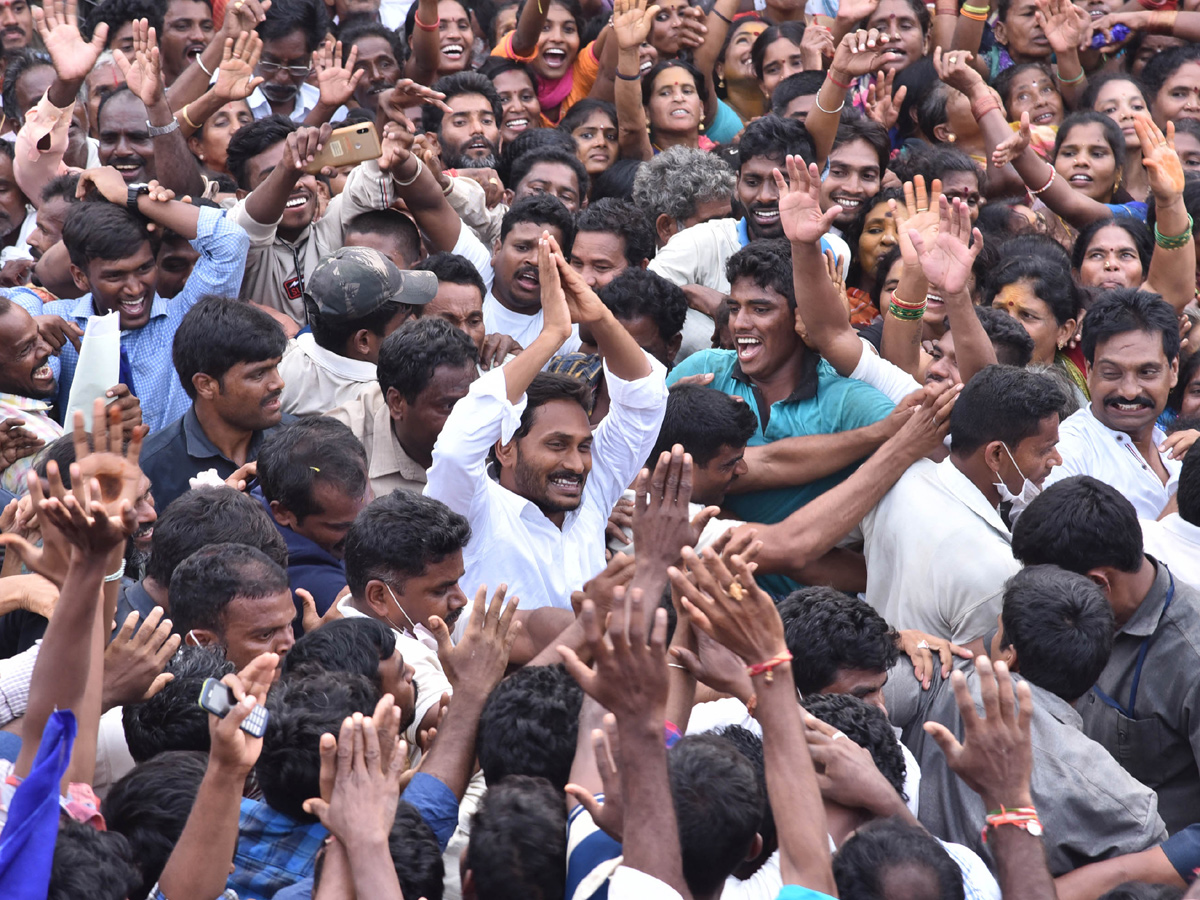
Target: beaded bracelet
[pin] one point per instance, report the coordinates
(1049, 181)
(1175, 241)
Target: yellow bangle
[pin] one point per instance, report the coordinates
(186, 118)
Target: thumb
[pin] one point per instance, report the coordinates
(309, 617)
(703, 517)
(586, 800)
(441, 633)
(160, 682)
(687, 658)
(945, 739)
(316, 807)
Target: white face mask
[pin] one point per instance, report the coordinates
(420, 632)
(1029, 490)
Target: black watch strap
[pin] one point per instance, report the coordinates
(135, 191)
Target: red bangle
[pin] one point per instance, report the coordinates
(836, 83)
(434, 27)
(768, 667)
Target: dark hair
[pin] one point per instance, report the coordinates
(91, 863)
(919, 10)
(354, 32)
(1123, 310)
(120, 12)
(498, 65)
(150, 804)
(864, 861)
(522, 166)
(768, 263)
(616, 181)
(287, 16)
(391, 224)
(1095, 83)
(750, 745)
(1004, 81)
(210, 515)
(867, 725)
(302, 708)
(451, 268)
(251, 140)
(785, 31)
(416, 854)
(854, 232)
(61, 187)
(397, 536)
(1012, 343)
(1051, 280)
(1187, 371)
(518, 845)
(410, 355)
(622, 218)
(1003, 403)
(218, 333)
(582, 111)
(540, 209)
(718, 808)
(358, 644)
(547, 387)
(16, 64)
(703, 421)
(918, 78)
(661, 66)
(640, 292)
(457, 85)
(1140, 890)
(775, 137)
(1080, 524)
(827, 631)
(802, 84)
(526, 142)
(529, 725)
(294, 457)
(102, 230)
(940, 159)
(930, 108)
(172, 720)
(210, 579)
(1142, 239)
(1112, 133)
(1061, 625)
(870, 132)
(1163, 65)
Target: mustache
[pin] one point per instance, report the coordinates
(452, 617)
(1143, 400)
(565, 476)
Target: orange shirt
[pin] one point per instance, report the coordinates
(583, 73)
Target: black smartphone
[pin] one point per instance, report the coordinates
(218, 699)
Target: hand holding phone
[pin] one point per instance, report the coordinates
(217, 698)
(347, 146)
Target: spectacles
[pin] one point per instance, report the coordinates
(268, 69)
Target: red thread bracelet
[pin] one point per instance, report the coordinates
(768, 667)
(434, 27)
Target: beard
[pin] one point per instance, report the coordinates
(534, 487)
(460, 160)
(135, 560)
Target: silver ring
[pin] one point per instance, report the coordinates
(922, 645)
(837, 735)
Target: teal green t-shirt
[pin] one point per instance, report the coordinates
(838, 404)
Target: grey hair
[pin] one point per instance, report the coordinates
(105, 58)
(676, 181)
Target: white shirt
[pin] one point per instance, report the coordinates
(512, 541)
(634, 884)
(1089, 447)
(885, 376)
(306, 102)
(316, 380)
(499, 319)
(937, 554)
(1176, 542)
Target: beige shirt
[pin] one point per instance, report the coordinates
(468, 198)
(388, 466)
(316, 380)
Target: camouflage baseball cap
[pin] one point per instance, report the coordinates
(353, 282)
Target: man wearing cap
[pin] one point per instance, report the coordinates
(355, 298)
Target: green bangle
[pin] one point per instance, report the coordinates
(1173, 242)
(1078, 78)
(977, 10)
(907, 315)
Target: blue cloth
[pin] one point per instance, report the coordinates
(1135, 209)
(743, 233)
(273, 850)
(27, 843)
(584, 856)
(222, 246)
(10, 746)
(823, 403)
(1183, 852)
(796, 892)
(725, 124)
(310, 566)
(436, 803)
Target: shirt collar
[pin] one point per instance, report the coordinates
(16, 401)
(806, 387)
(342, 366)
(200, 447)
(84, 308)
(387, 455)
(1055, 706)
(743, 232)
(965, 491)
(1145, 618)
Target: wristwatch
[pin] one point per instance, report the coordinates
(135, 191)
(160, 130)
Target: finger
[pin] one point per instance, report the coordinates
(1004, 687)
(127, 627)
(328, 748)
(945, 739)
(160, 681)
(586, 799)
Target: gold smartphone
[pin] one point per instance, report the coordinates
(347, 146)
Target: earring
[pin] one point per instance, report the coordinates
(951, 137)
(720, 82)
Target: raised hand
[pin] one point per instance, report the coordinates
(335, 79)
(143, 74)
(861, 52)
(1014, 145)
(948, 258)
(609, 814)
(602, 588)
(51, 559)
(692, 29)
(661, 524)
(556, 312)
(480, 658)
(109, 459)
(923, 649)
(1067, 26)
(855, 11)
(716, 666)
(995, 757)
(1163, 166)
(583, 302)
(105, 181)
(232, 748)
(16, 442)
(632, 21)
(800, 202)
(58, 26)
(846, 772)
(883, 106)
(243, 15)
(815, 47)
(406, 92)
(134, 662)
(629, 675)
(920, 213)
(955, 69)
(235, 73)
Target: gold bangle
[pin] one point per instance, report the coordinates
(187, 119)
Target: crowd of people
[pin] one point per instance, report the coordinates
(568, 449)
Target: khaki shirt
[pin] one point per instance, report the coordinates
(388, 466)
(316, 380)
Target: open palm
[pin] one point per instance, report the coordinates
(58, 27)
(800, 203)
(235, 74)
(632, 22)
(1163, 166)
(947, 259)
